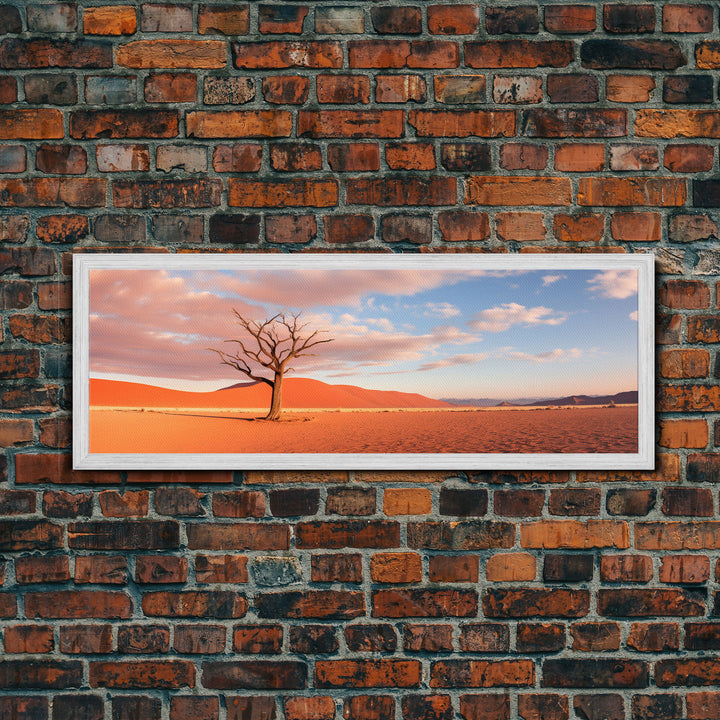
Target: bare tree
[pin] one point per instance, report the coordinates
(273, 343)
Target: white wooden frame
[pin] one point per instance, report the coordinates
(643, 459)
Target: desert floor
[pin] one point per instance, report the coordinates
(493, 430)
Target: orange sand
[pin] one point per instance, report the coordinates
(183, 430)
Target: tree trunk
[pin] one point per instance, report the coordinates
(276, 402)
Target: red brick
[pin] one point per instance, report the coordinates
(417, 602)
(285, 90)
(337, 567)
(511, 567)
(223, 20)
(255, 674)
(453, 19)
(12, 159)
(321, 707)
(520, 226)
(367, 673)
(614, 192)
(101, 569)
(47, 674)
(351, 123)
(132, 503)
(15, 433)
(276, 54)
(240, 503)
(166, 193)
(545, 706)
(626, 568)
(52, 569)
(343, 229)
(164, 674)
(369, 707)
(16, 53)
(29, 639)
(516, 20)
(629, 88)
(566, 19)
(238, 536)
(221, 569)
(482, 673)
(449, 568)
(391, 191)
(684, 569)
(543, 602)
(688, 158)
(685, 294)
(78, 604)
(396, 567)
(403, 53)
(486, 706)
(199, 639)
(518, 191)
(258, 639)
(518, 54)
(195, 604)
(580, 157)
(110, 20)
(654, 637)
(687, 18)
(171, 54)
(170, 88)
(186, 707)
(86, 639)
(258, 706)
(703, 705)
(578, 122)
(625, 158)
(679, 364)
(579, 228)
(410, 156)
(343, 89)
(289, 193)
(636, 226)
(677, 123)
(518, 89)
(399, 88)
(354, 157)
(91, 124)
(457, 226)
(523, 156)
(463, 123)
(160, 569)
(53, 192)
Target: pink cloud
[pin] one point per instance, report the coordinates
(503, 317)
(616, 284)
(557, 355)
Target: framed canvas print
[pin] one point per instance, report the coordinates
(462, 361)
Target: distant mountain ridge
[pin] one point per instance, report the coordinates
(621, 398)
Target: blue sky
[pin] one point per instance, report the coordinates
(442, 333)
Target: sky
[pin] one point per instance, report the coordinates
(441, 333)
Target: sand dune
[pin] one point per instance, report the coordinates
(297, 393)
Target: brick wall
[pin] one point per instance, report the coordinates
(359, 126)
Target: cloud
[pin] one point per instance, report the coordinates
(443, 310)
(615, 284)
(454, 360)
(557, 355)
(634, 316)
(503, 317)
(550, 279)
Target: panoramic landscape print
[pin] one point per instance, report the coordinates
(332, 359)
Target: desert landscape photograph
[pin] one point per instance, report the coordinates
(334, 360)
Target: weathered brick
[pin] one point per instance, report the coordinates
(171, 54)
